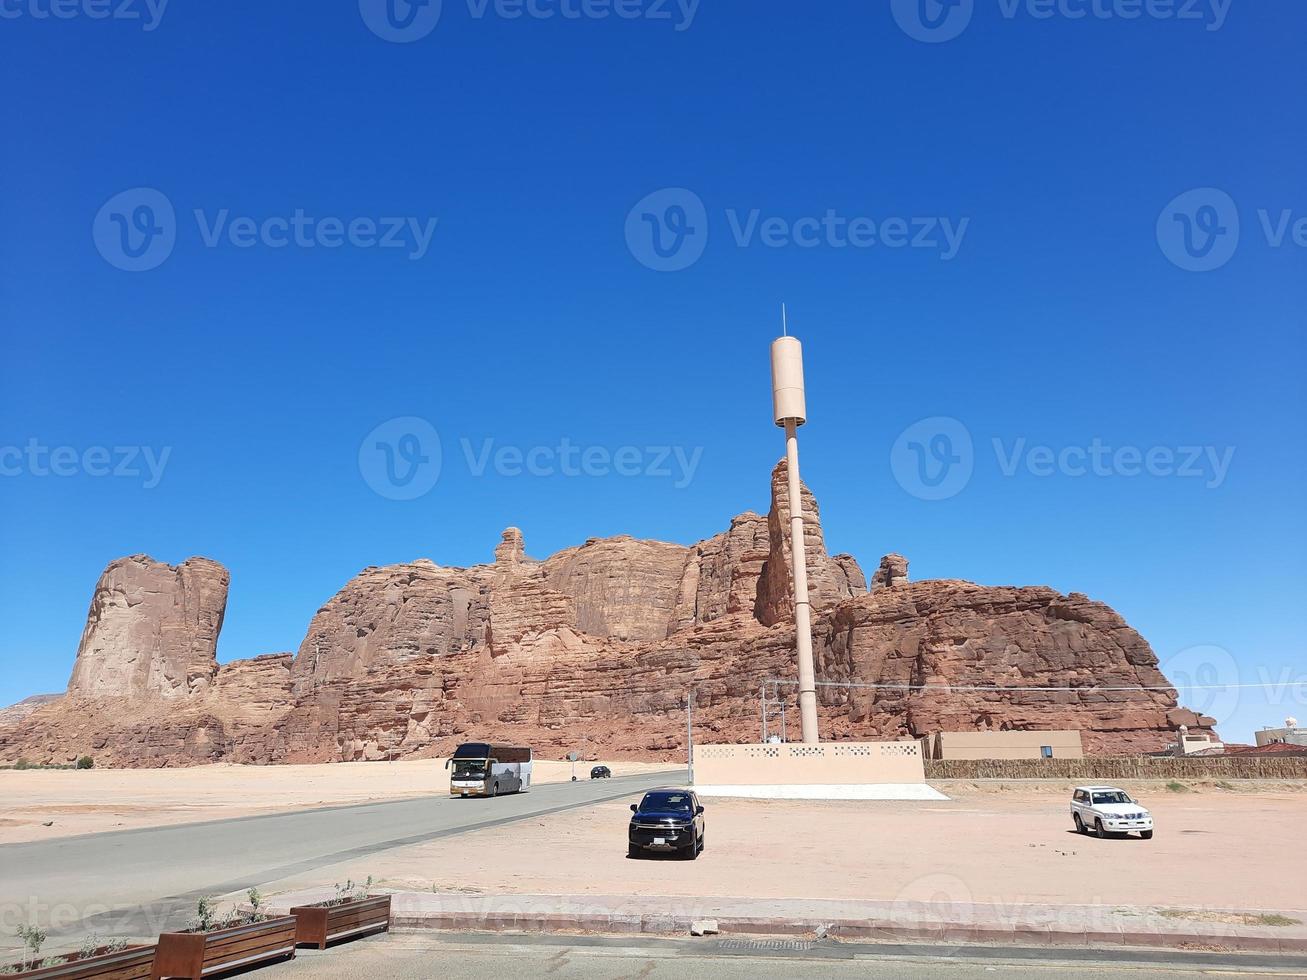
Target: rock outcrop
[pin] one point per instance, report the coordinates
(892, 571)
(152, 631)
(15, 713)
(942, 652)
(721, 574)
(593, 648)
(829, 579)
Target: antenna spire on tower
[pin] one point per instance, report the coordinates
(785, 331)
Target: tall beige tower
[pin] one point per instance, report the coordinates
(790, 411)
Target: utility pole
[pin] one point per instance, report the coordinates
(790, 411)
(762, 706)
(689, 735)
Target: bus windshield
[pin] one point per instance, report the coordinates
(469, 768)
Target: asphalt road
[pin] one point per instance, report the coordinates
(498, 957)
(138, 882)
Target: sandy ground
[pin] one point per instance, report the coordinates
(95, 800)
(992, 843)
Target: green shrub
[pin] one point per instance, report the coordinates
(1175, 787)
(23, 764)
(86, 762)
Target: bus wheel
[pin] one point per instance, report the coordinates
(494, 789)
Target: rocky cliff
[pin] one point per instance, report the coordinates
(593, 648)
(152, 631)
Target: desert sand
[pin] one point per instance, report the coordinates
(95, 800)
(992, 843)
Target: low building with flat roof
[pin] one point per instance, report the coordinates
(1290, 734)
(1007, 745)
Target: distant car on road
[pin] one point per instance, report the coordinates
(668, 820)
(1109, 811)
(601, 772)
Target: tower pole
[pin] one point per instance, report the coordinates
(802, 607)
(789, 408)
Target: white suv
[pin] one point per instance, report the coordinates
(1107, 810)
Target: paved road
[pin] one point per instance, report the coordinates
(416, 957)
(136, 882)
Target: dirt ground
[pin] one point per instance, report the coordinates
(95, 800)
(1013, 842)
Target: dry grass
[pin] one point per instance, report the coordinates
(1231, 918)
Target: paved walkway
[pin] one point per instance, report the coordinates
(948, 922)
(494, 956)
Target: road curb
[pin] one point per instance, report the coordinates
(862, 930)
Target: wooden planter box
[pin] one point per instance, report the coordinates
(318, 925)
(133, 963)
(195, 955)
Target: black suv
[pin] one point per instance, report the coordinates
(669, 820)
(601, 772)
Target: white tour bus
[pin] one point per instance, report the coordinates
(483, 769)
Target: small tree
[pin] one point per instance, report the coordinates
(206, 915)
(86, 762)
(256, 905)
(33, 939)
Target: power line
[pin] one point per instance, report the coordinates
(1086, 690)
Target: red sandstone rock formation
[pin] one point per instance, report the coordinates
(152, 631)
(829, 579)
(15, 713)
(593, 649)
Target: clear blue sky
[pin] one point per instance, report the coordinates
(536, 312)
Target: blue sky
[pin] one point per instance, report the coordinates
(979, 229)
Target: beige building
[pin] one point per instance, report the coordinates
(1291, 734)
(1195, 743)
(1006, 745)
